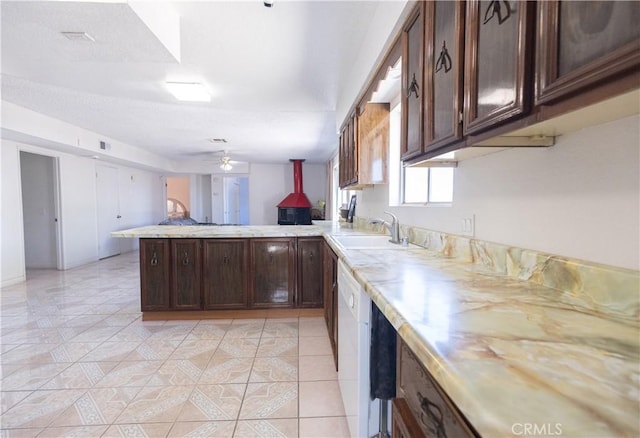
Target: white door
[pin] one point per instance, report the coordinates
(39, 210)
(108, 210)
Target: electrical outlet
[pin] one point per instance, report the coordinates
(469, 226)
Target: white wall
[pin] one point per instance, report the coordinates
(141, 204)
(579, 198)
(270, 183)
(12, 269)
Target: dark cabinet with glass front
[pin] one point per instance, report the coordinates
(582, 44)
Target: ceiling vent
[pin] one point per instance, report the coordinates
(218, 140)
(78, 36)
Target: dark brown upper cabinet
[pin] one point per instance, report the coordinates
(225, 263)
(273, 272)
(444, 70)
(581, 44)
(498, 63)
(348, 150)
(412, 83)
(186, 278)
(154, 274)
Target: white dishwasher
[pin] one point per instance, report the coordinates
(354, 333)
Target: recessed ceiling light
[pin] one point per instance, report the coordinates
(78, 36)
(189, 91)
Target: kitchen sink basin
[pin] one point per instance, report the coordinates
(369, 241)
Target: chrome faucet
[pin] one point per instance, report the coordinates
(393, 227)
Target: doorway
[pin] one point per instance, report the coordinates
(39, 184)
(235, 200)
(108, 200)
(178, 197)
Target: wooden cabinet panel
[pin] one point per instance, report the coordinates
(272, 272)
(444, 69)
(348, 152)
(154, 274)
(186, 274)
(403, 424)
(497, 62)
(330, 285)
(584, 43)
(435, 413)
(412, 83)
(225, 273)
(310, 291)
(373, 144)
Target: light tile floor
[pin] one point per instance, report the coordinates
(77, 360)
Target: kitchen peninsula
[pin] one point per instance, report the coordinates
(513, 337)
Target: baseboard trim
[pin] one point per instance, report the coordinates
(230, 314)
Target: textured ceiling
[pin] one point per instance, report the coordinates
(275, 73)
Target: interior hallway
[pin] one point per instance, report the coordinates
(77, 360)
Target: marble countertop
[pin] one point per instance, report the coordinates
(514, 356)
(219, 231)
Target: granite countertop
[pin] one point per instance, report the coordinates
(511, 354)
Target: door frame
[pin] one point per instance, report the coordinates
(57, 203)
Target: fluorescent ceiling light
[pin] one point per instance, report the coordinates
(189, 91)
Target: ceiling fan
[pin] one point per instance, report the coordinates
(225, 162)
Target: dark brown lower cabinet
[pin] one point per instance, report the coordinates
(225, 269)
(310, 292)
(403, 424)
(235, 273)
(273, 272)
(154, 274)
(423, 403)
(186, 278)
(330, 286)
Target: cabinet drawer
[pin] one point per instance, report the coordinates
(434, 413)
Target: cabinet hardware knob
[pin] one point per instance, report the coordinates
(225, 260)
(434, 413)
(185, 259)
(154, 259)
(413, 87)
(495, 9)
(444, 60)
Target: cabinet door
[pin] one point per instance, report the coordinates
(373, 143)
(154, 274)
(273, 272)
(403, 424)
(225, 265)
(497, 62)
(444, 68)
(186, 280)
(310, 272)
(584, 43)
(342, 157)
(330, 285)
(412, 83)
